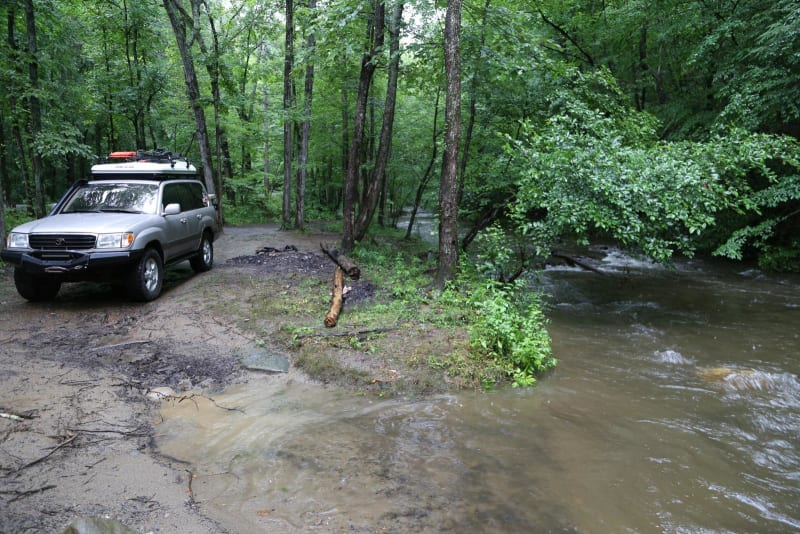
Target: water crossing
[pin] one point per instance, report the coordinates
(675, 407)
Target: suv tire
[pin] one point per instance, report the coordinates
(204, 259)
(35, 289)
(147, 277)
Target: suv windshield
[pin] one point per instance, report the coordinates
(122, 197)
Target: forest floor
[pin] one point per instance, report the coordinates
(79, 375)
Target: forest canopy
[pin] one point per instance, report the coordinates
(670, 127)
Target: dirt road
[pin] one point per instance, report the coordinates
(75, 437)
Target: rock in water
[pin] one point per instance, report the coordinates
(259, 359)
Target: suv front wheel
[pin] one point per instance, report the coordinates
(35, 289)
(147, 277)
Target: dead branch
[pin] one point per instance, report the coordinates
(138, 432)
(350, 268)
(22, 494)
(212, 401)
(46, 456)
(358, 334)
(15, 417)
(336, 302)
(123, 344)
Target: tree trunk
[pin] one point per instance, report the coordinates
(345, 129)
(428, 170)
(177, 17)
(288, 105)
(134, 78)
(17, 122)
(213, 69)
(375, 39)
(640, 75)
(311, 44)
(375, 186)
(3, 180)
(34, 108)
(448, 189)
(473, 97)
(265, 106)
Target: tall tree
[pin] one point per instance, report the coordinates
(375, 27)
(473, 98)
(308, 93)
(178, 18)
(448, 188)
(378, 175)
(265, 107)
(212, 63)
(288, 108)
(34, 107)
(423, 183)
(3, 176)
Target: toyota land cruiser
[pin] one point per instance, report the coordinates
(139, 212)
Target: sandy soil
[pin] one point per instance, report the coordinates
(75, 437)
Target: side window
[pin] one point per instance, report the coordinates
(172, 195)
(193, 193)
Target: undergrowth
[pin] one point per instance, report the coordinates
(409, 336)
(507, 336)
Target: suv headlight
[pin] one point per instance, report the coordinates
(119, 240)
(17, 240)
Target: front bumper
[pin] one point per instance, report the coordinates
(71, 265)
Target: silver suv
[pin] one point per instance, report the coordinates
(137, 214)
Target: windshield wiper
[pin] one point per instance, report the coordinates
(120, 210)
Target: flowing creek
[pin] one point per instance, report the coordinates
(675, 407)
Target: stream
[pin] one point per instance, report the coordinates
(675, 407)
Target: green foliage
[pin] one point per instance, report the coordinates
(14, 218)
(509, 326)
(597, 167)
(501, 254)
(506, 324)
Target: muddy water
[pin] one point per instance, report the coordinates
(675, 407)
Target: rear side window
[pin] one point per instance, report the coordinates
(189, 195)
(193, 193)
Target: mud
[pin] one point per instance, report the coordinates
(76, 434)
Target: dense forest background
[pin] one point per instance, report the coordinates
(667, 125)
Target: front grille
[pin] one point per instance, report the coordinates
(61, 241)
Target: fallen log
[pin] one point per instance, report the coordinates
(336, 304)
(571, 260)
(350, 268)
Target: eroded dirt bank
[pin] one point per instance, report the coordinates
(76, 438)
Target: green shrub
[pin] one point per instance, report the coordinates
(509, 326)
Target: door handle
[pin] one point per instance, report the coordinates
(184, 220)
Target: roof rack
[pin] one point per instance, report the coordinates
(147, 164)
(152, 156)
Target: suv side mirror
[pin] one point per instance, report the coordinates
(172, 209)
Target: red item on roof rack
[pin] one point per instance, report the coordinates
(122, 155)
